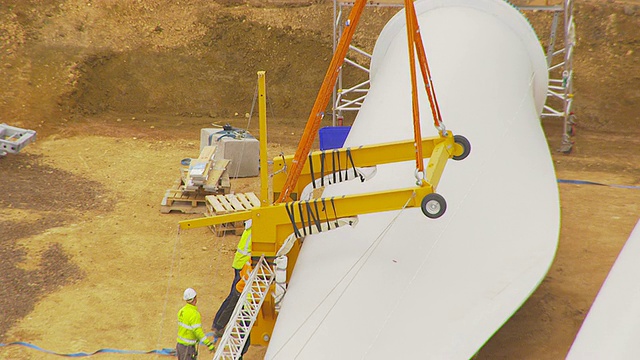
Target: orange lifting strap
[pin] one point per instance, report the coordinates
(412, 31)
(416, 47)
(317, 112)
(426, 73)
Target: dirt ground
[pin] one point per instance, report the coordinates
(118, 91)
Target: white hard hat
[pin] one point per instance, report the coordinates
(247, 224)
(189, 294)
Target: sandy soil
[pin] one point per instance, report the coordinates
(118, 92)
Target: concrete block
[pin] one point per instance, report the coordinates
(236, 145)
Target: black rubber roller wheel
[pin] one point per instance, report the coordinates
(466, 147)
(433, 205)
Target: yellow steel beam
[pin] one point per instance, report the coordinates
(363, 156)
(273, 224)
(216, 220)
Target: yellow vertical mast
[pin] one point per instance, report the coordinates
(262, 111)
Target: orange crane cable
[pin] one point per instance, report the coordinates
(317, 112)
(411, 29)
(426, 73)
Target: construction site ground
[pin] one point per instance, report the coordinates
(118, 91)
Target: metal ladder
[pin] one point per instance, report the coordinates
(245, 312)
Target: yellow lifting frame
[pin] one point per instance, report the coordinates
(273, 224)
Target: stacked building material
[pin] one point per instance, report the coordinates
(200, 177)
(199, 169)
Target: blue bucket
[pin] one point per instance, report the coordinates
(333, 137)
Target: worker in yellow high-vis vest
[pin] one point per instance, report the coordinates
(242, 255)
(190, 328)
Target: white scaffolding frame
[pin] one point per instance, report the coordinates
(559, 62)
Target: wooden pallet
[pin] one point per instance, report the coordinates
(182, 201)
(229, 203)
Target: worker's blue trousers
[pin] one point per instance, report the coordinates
(226, 309)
